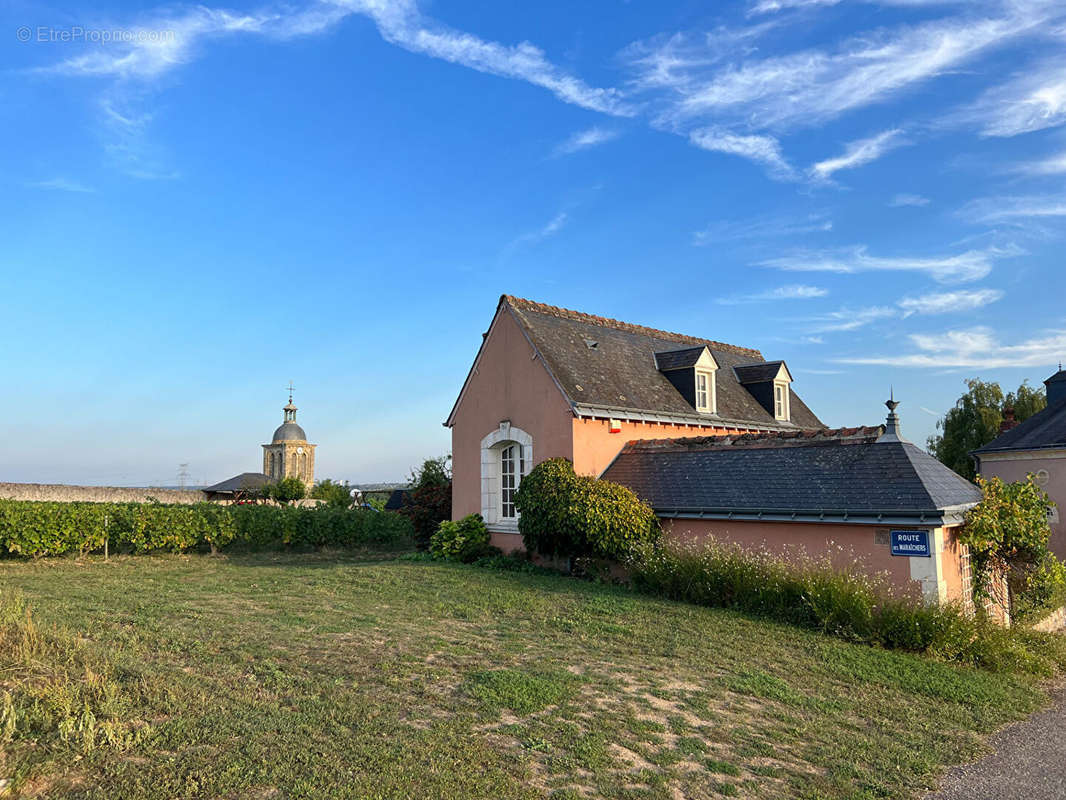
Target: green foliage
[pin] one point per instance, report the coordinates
(434, 472)
(47, 529)
(287, 490)
(333, 493)
(975, 419)
(429, 502)
(570, 515)
(1007, 533)
(814, 595)
(465, 540)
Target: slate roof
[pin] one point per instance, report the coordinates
(845, 474)
(289, 432)
(1045, 429)
(244, 481)
(679, 359)
(758, 373)
(619, 375)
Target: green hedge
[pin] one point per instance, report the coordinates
(850, 605)
(49, 528)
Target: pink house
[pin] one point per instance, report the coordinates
(712, 435)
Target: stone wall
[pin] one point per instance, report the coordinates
(97, 494)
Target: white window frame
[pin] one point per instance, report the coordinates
(782, 410)
(512, 468)
(492, 450)
(710, 406)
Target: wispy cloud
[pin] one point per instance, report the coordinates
(949, 302)
(973, 348)
(1052, 165)
(1028, 102)
(583, 140)
(546, 231)
(772, 6)
(762, 228)
(1014, 210)
(173, 39)
(764, 150)
(783, 91)
(791, 292)
(859, 152)
(850, 319)
(904, 199)
(964, 267)
(61, 185)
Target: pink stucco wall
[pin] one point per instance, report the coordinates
(595, 446)
(507, 383)
(1016, 466)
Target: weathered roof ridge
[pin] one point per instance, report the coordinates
(842, 436)
(606, 322)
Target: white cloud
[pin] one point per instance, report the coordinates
(582, 140)
(949, 302)
(762, 228)
(546, 231)
(859, 152)
(62, 185)
(1016, 210)
(773, 6)
(171, 40)
(791, 292)
(763, 150)
(850, 319)
(1052, 165)
(803, 87)
(973, 348)
(904, 199)
(964, 267)
(1029, 102)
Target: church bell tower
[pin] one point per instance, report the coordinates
(289, 454)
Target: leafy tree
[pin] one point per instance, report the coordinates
(433, 472)
(1007, 533)
(974, 421)
(429, 502)
(334, 493)
(288, 490)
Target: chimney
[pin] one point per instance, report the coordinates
(892, 432)
(1008, 420)
(1056, 387)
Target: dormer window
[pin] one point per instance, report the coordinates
(705, 391)
(692, 372)
(781, 409)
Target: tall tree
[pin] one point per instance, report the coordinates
(974, 421)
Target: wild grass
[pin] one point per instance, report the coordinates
(330, 676)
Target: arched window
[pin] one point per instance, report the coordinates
(506, 456)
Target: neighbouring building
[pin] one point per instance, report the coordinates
(844, 493)
(713, 435)
(1036, 446)
(289, 455)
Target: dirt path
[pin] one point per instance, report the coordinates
(1029, 762)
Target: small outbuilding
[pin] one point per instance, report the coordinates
(852, 494)
(233, 490)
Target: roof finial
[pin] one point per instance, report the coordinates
(891, 433)
(290, 410)
(291, 387)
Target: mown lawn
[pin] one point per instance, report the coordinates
(323, 676)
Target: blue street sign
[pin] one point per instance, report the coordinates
(911, 543)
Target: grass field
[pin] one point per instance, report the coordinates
(323, 676)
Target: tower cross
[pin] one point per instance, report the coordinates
(291, 387)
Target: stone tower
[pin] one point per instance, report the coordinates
(289, 454)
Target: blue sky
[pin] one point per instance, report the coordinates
(203, 202)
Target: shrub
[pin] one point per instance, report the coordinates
(429, 502)
(287, 490)
(570, 515)
(45, 529)
(812, 594)
(466, 540)
(333, 493)
(1007, 533)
